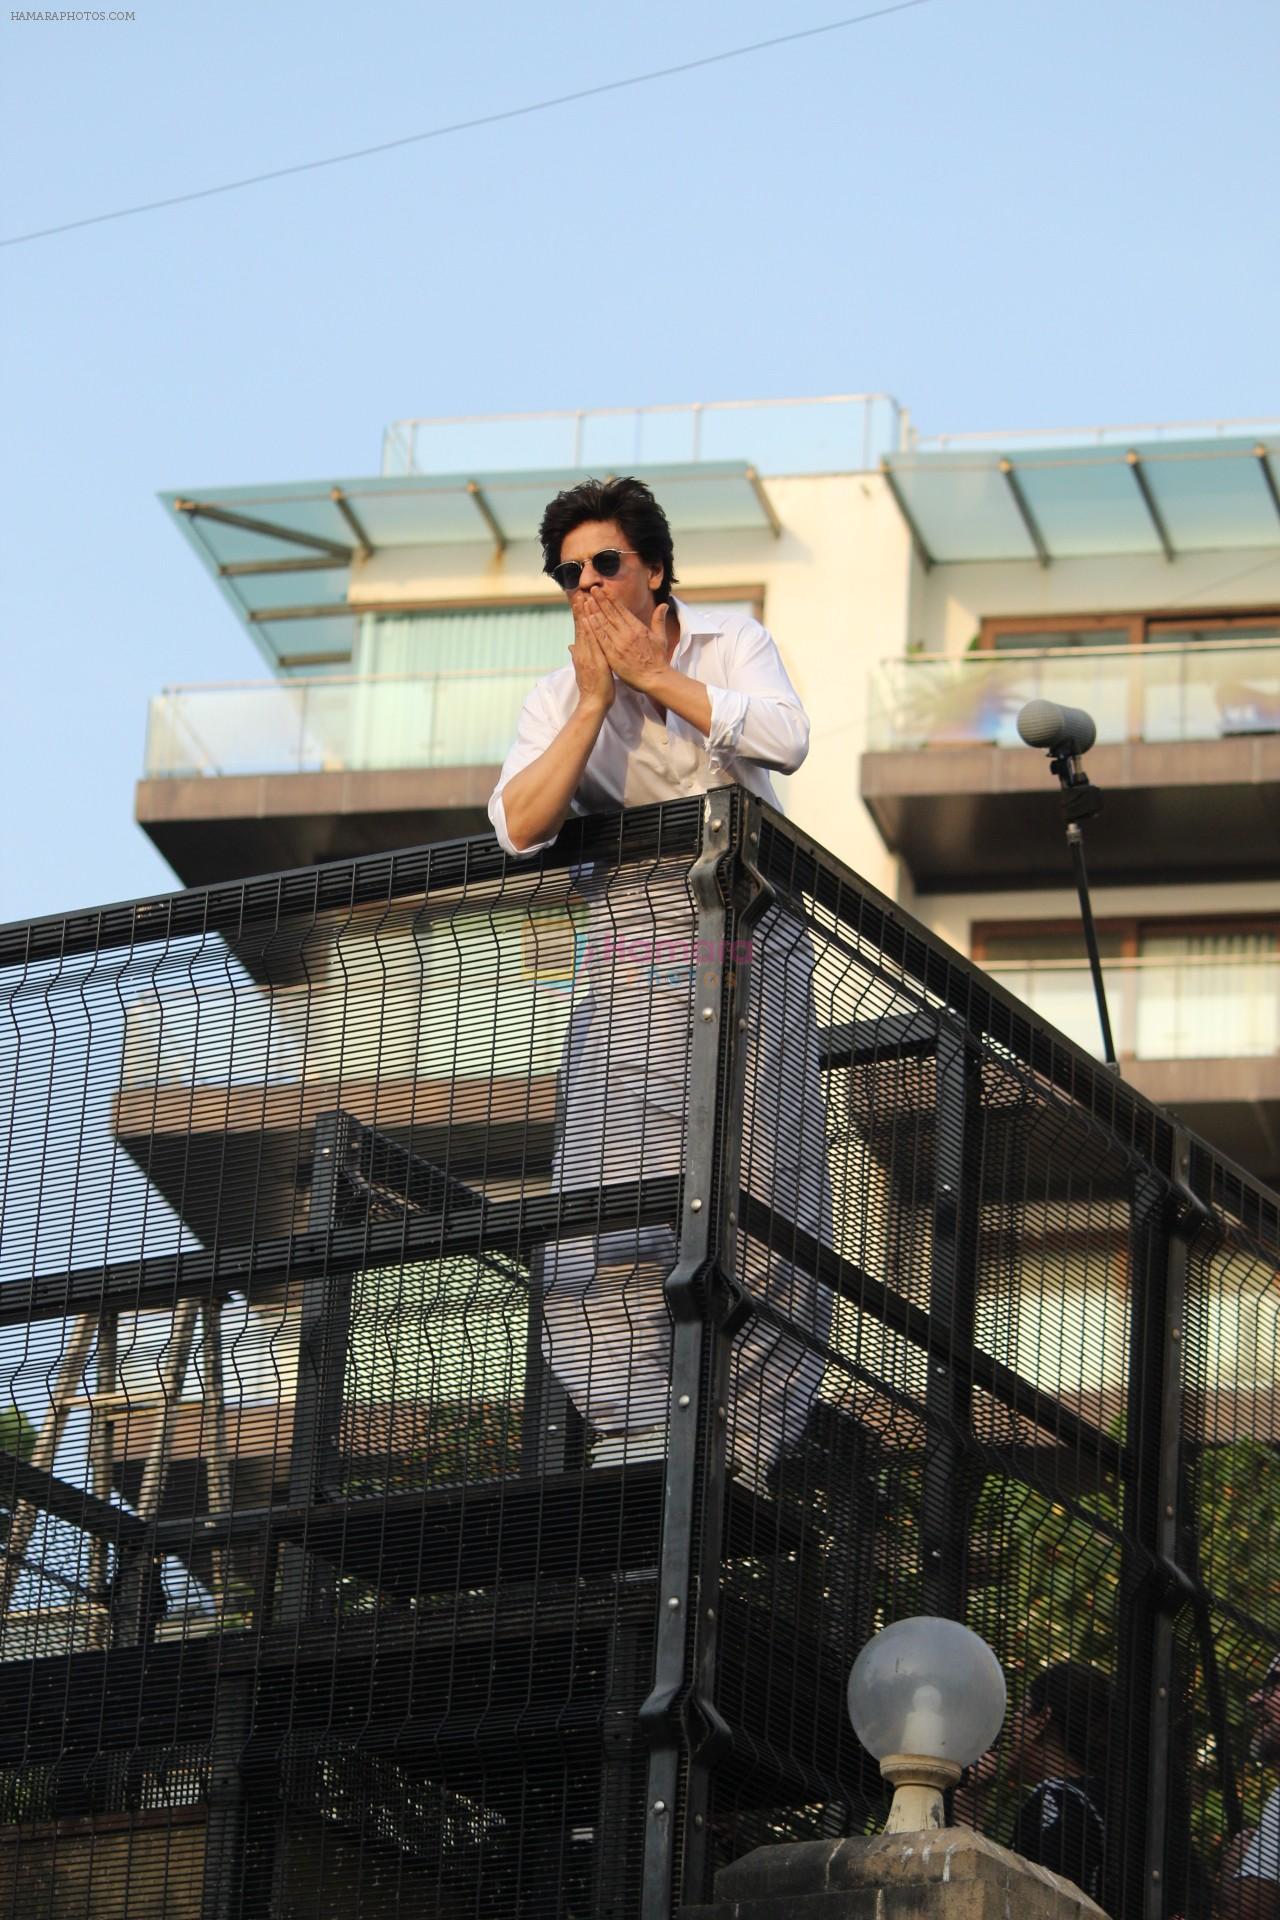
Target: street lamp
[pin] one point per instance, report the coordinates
(926, 1697)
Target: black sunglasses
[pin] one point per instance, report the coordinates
(607, 563)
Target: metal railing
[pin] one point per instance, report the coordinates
(1188, 1007)
(1203, 690)
(488, 1340)
(827, 433)
(335, 723)
(1095, 436)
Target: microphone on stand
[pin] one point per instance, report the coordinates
(1043, 723)
(1066, 734)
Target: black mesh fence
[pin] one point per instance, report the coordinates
(485, 1342)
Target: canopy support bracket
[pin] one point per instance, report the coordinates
(1263, 459)
(917, 538)
(364, 546)
(1149, 502)
(487, 514)
(767, 507)
(1025, 514)
(197, 509)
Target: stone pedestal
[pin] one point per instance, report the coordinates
(951, 1873)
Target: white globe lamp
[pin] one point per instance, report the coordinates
(926, 1697)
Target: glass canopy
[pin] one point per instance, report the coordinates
(1049, 503)
(283, 554)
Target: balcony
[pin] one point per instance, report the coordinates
(1188, 754)
(1199, 1034)
(329, 766)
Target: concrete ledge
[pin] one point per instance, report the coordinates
(954, 1874)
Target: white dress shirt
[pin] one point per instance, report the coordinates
(1262, 1858)
(757, 722)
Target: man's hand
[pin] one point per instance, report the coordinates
(970, 1795)
(636, 653)
(597, 688)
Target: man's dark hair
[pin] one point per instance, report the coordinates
(630, 505)
(1080, 1704)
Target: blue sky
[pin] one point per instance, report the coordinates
(1006, 214)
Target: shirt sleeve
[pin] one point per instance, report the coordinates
(535, 730)
(758, 716)
(1262, 1855)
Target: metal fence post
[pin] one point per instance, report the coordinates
(1173, 1583)
(307, 1587)
(679, 1716)
(1153, 1585)
(945, 1494)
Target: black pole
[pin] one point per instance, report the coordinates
(1075, 841)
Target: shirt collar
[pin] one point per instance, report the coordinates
(690, 629)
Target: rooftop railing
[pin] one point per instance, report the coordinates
(826, 433)
(1210, 690)
(1096, 436)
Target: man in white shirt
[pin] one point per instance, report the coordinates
(662, 700)
(1252, 1891)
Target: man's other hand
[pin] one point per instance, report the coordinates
(637, 653)
(596, 685)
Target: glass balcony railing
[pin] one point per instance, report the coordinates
(1195, 1007)
(335, 724)
(1212, 690)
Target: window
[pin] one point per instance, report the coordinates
(1176, 990)
(1032, 632)
(529, 638)
(443, 686)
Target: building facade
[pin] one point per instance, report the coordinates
(920, 593)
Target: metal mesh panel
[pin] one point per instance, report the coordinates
(485, 1343)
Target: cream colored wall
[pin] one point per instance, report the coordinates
(951, 601)
(836, 588)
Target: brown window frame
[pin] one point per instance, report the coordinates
(1130, 927)
(1144, 629)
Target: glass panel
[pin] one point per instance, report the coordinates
(1210, 497)
(331, 637)
(328, 724)
(964, 511)
(1086, 500)
(1191, 692)
(1190, 1007)
(1210, 692)
(1087, 503)
(976, 698)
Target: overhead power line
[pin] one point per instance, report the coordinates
(464, 126)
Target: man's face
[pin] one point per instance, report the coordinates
(1264, 1710)
(1024, 1730)
(633, 587)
